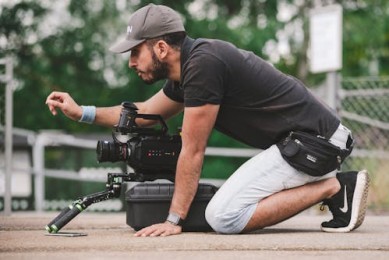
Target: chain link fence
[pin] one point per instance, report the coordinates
(364, 108)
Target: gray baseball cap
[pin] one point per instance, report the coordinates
(146, 23)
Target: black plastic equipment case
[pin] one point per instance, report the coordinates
(149, 203)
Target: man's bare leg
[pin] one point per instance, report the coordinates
(287, 203)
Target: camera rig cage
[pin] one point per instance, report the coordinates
(151, 152)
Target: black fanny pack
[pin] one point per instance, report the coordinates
(314, 155)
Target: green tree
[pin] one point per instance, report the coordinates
(59, 46)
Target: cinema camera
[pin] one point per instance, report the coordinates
(151, 152)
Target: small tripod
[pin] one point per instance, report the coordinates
(113, 189)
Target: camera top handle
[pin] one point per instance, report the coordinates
(127, 123)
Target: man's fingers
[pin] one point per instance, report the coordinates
(145, 231)
(156, 233)
(164, 229)
(51, 107)
(166, 233)
(55, 96)
(53, 104)
(139, 233)
(53, 110)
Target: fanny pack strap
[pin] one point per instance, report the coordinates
(349, 148)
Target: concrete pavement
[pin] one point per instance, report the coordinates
(22, 236)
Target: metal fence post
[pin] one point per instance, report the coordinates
(7, 78)
(39, 166)
(332, 89)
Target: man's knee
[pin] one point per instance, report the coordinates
(216, 220)
(224, 221)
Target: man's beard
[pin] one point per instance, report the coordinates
(159, 71)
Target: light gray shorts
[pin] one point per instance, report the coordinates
(232, 206)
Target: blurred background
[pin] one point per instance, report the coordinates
(48, 45)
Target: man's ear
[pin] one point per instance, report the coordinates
(161, 49)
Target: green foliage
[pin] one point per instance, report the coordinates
(72, 56)
(366, 38)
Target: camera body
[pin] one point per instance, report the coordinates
(151, 152)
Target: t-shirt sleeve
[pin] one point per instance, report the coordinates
(203, 80)
(172, 91)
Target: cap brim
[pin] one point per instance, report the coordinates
(125, 45)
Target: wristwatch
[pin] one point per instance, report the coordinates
(175, 219)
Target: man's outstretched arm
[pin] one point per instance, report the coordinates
(109, 116)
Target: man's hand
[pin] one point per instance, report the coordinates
(65, 103)
(162, 229)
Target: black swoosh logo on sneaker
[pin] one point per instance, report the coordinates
(344, 209)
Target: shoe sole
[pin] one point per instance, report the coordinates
(359, 204)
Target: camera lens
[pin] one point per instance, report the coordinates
(111, 151)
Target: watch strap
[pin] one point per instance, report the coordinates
(175, 219)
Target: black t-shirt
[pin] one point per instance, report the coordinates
(258, 104)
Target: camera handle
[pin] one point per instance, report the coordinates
(127, 121)
(113, 189)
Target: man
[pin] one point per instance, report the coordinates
(217, 85)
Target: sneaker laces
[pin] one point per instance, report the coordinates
(330, 204)
(324, 203)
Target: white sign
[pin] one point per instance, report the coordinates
(325, 30)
